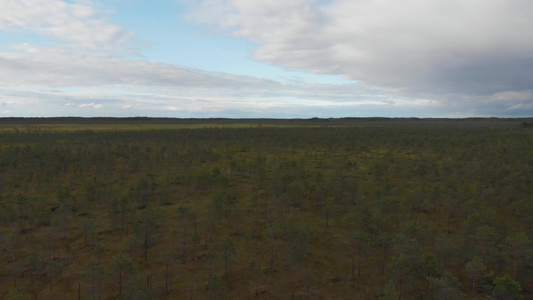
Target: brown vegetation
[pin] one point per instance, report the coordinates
(256, 212)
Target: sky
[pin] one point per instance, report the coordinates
(266, 58)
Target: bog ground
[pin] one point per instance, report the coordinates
(302, 209)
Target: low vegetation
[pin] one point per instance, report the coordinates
(439, 211)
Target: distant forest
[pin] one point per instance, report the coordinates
(348, 121)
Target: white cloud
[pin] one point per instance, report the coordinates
(46, 68)
(513, 95)
(53, 78)
(437, 47)
(91, 105)
(38, 66)
(80, 24)
(416, 58)
(47, 82)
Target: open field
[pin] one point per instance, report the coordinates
(368, 121)
(322, 209)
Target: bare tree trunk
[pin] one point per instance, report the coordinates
(166, 280)
(353, 266)
(120, 282)
(271, 257)
(474, 286)
(145, 248)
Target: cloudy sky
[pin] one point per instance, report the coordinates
(266, 58)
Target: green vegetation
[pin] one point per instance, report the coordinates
(266, 212)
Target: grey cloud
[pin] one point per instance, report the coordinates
(482, 75)
(440, 48)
